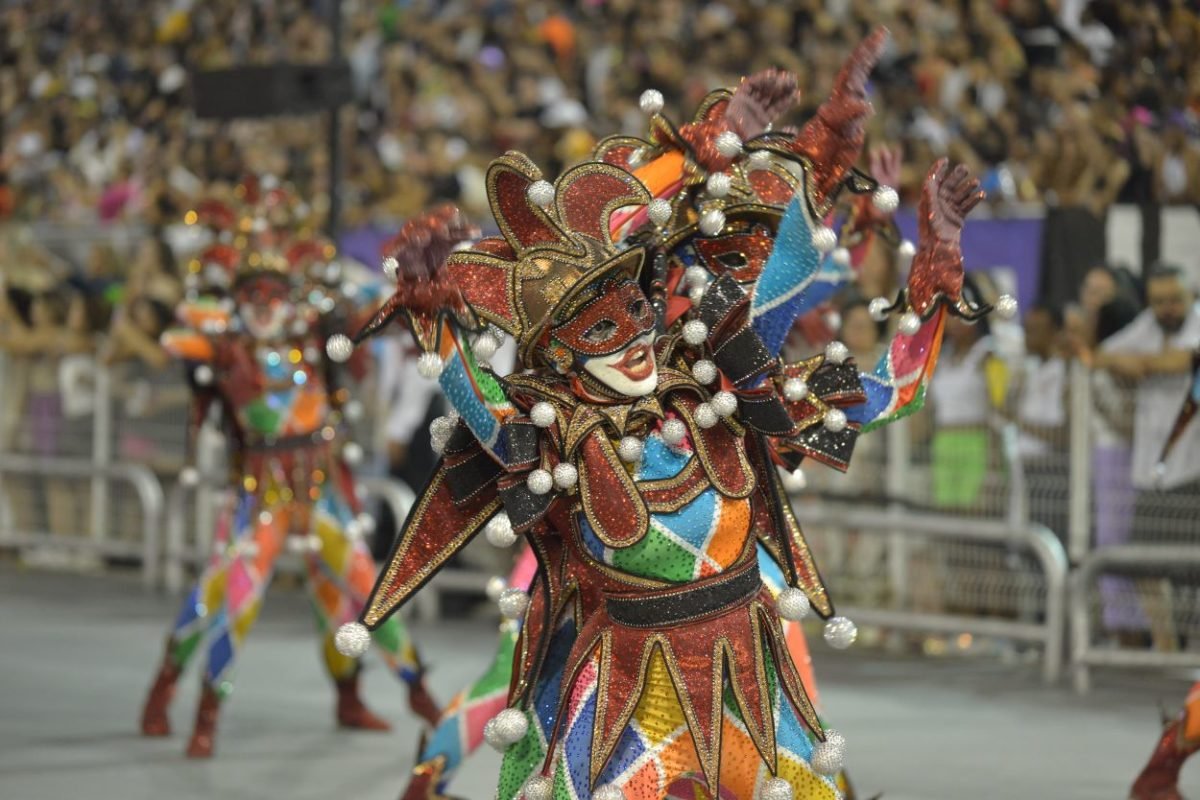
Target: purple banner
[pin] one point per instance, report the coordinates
(1015, 243)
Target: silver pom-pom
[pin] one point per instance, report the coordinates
(824, 239)
(907, 250)
(189, 476)
(366, 522)
(695, 332)
(879, 308)
(886, 199)
(835, 420)
(836, 352)
(542, 414)
(203, 375)
(795, 389)
(840, 633)
(485, 346)
(795, 481)
(793, 604)
(442, 427)
(659, 211)
(539, 787)
(718, 184)
(540, 481)
(506, 729)
(841, 257)
(339, 347)
(704, 371)
(499, 533)
(630, 449)
(429, 365)
(565, 475)
(541, 193)
(724, 403)
(353, 530)
(759, 159)
(353, 410)
(513, 603)
(706, 417)
(352, 453)
(712, 222)
(391, 267)
(674, 432)
(299, 327)
(651, 101)
(1006, 306)
(696, 296)
(776, 789)
(495, 587)
(696, 276)
(352, 639)
(910, 323)
(829, 755)
(608, 792)
(729, 144)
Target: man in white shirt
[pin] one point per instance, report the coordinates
(1156, 351)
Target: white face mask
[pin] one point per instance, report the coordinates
(264, 322)
(631, 372)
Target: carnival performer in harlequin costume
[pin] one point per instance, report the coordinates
(1159, 779)
(756, 102)
(268, 353)
(642, 469)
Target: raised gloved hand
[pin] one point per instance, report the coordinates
(416, 256)
(832, 140)
(947, 196)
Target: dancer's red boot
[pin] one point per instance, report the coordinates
(352, 713)
(158, 700)
(1159, 780)
(204, 734)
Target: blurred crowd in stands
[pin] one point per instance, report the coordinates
(1067, 101)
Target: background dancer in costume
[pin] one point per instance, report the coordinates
(261, 354)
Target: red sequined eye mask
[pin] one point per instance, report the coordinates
(607, 324)
(261, 291)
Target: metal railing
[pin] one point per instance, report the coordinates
(1048, 631)
(1084, 652)
(145, 486)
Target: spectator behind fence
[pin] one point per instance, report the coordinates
(970, 384)
(1155, 351)
(36, 340)
(1112, 467)
(857, 558)
(407, 403)
(1040, 413)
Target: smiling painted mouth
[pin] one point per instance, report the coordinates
(637, 364)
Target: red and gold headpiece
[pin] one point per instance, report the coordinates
(555, 246)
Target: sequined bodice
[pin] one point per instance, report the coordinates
(704, 536)
(293, 398)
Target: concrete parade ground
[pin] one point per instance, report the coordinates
(77, 654)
